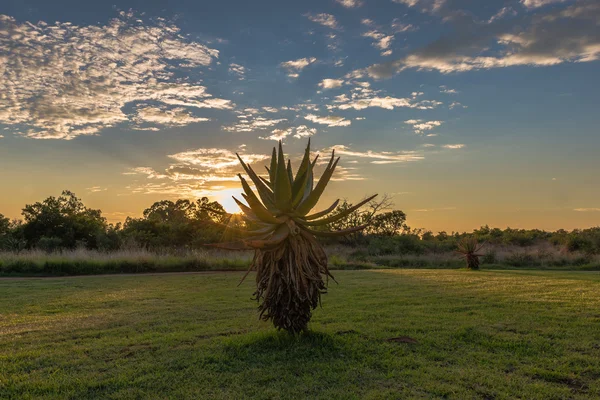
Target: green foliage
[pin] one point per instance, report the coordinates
(179, 224)
(402, 244)
(62, 222)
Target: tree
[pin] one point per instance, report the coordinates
(4, 225)
(389, 223)
(291, 265)
(177, 224)
(64, 221)
(363, 215)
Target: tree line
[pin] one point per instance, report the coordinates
(64, 222)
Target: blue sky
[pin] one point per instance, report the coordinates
(465, 112)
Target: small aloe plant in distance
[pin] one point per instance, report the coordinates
(290, 264)
(469, 248)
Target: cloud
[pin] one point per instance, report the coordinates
(421, 126)
(63, 80)
(388, 102)
(252, 122)
(329, 120)
(324, 19)
(453, 146)
(213, 158)
(363, 96)
(382, 41)
(331, 83)
(238, 70)
(343, 174)
(350, 3)
(293, 67)
(446, 90)
(539, 3)
(162, 115)
(429, 6)
(384, 157)
(193, 173)
(587, 209)
(399, 27)
(96, 189)
(279, 134)
(299, 132)
(455, 104)
(303, 131)
(545, 38)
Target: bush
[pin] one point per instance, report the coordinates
(49, 244)
(489, 257)
(521, 260)
(402, 244)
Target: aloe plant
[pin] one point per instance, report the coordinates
(290, 264)
(468, 247)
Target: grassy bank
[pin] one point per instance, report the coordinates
(381, 334)
(86, 262)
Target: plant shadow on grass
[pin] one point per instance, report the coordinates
(279, 346)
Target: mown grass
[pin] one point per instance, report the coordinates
(489, 334)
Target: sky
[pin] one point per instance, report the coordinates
(466, 113)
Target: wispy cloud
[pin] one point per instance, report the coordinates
(350, 3)
(383, 157)
(381, 41)
(192, 173)
(587, 209)
(549, 37)
(324, 19)
(429, 6)
(447, 90)
(298, 132)
(67, 80)
(163, 116)
(362, 97)
(238, 70)
(329, 120)
(421, 126)
(331, 83)
(96, 189)
(453, 146)
(294, 67)
(278, 134)
(539, 3)
(251, 120)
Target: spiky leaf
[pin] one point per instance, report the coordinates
(283, 187)
(337, 217)
(312, 199)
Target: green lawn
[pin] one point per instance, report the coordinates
(488, 334)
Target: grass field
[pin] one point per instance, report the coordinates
(488, 334)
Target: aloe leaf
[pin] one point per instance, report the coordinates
(266, 195)
(337, 217)
(273, 169)
(257, 207)
(314, 196)
(283, 188)
(324, 212)
(290, 172)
